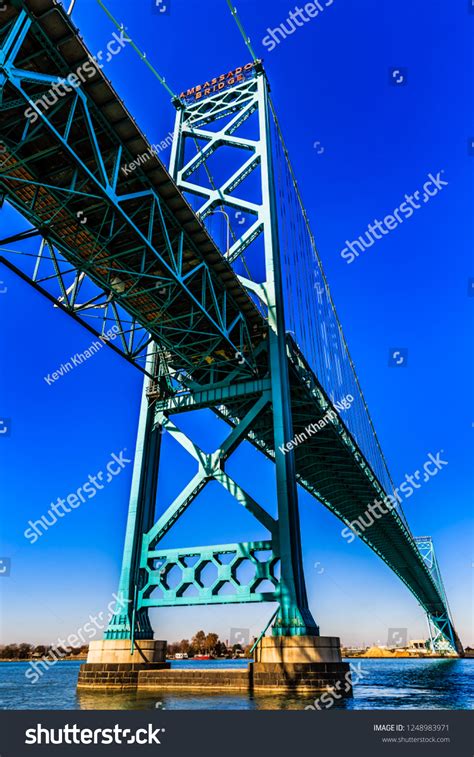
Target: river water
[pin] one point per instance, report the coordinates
(382, 684)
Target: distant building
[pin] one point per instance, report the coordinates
(417, 644)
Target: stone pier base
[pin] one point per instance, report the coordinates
(111, 667)
(110, 676)
(303, 664)
(118, 651)
(289, 650)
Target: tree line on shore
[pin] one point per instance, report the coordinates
(26, 651)
(206, 644)
(201, 644)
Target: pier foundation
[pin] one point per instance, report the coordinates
(298, 664)
(304, 664)
(118, 651)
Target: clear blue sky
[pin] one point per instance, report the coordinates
(330, 84)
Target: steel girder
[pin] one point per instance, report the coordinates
(242, 101)
(226, 574)
(211, 467)
(126, 241)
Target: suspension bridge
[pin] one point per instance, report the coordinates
(233, 317)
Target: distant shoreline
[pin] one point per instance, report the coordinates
(467, 656)
(82, 658)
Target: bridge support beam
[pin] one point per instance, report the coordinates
(294, 616)
(127, 622)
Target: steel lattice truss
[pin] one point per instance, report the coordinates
(243, 100)
(102, 227)
(442, 635)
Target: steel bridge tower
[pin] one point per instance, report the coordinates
(442, 638)
(145, 566)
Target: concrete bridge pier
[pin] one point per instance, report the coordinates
(283, 664)
(304, 664)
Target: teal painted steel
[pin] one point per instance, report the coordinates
(443, 636)
(191, 587)
(140, 519)
(294, 616)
